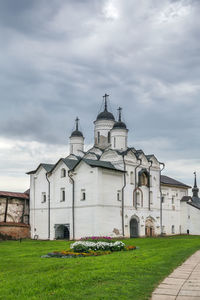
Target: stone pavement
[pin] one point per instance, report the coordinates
(183, 283)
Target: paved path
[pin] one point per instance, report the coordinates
(183, 283)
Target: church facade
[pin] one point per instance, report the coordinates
(112, 189)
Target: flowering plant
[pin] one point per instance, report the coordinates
(83, 246)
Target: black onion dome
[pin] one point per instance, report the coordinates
(119, 125)
(77, 133)
(105, 115)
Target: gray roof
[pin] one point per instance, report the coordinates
(71, 163)
(165, 180)
(105, 115)
(47, 167)
(101, 164)
(77, 133)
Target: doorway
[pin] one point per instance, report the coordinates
(133, 228)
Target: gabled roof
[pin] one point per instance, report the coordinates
(70, 163)
(100, 164)
(14, 195)
(165, 180)
(47, 167)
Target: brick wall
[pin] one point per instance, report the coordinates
(15, 230)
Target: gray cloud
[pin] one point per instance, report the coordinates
(58, 58)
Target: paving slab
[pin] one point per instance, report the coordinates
(183, 283)
(163, 297)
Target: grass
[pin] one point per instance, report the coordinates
(120, 275)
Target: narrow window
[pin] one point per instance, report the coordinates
(119, 195)
(163, 199)
(63, 172)
(71, 148)
(62, 195)
(44, 197)
(151, 197)
(172, 200)
(98, 137)
(114, 142)
(131, 178)
(109, 137)
(173, 229)
(138, 198)
(83, 194)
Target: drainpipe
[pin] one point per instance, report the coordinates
(6, 209)
(73, 193)
(123, 195)
(150, 184)
(161, 199)
(48, 206)
(136, 181)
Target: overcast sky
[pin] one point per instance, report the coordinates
(59, 57)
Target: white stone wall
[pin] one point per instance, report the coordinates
(190, 219)
(119, 139)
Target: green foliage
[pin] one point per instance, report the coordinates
(80, 248)
(122, 275)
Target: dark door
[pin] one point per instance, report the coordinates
(66, 233)
(133, 228)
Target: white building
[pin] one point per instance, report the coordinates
(111, 189)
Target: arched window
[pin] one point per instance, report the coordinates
(62, 194)
(63, 172)
(144, 177)
(109, 137)
(131, 178)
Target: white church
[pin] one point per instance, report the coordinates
(110, 190)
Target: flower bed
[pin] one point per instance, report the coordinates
(96, 247)
(85, 246)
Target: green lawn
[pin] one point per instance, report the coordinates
(121, 275)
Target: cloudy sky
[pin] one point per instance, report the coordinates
(59, 57)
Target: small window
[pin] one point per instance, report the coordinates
(44, 197)
(172, 200)
(83, 195)
(71, 148)
(98, 137)
(63, 172)
(131, 178)
(119, 195)
(62, 195)
(163, 199)
(109, 137)
(138, 198)
(173, 229)
(114, 142)
(151, 197)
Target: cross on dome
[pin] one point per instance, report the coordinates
(105, 101)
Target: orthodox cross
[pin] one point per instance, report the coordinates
(195, 179)
(105, 99)
(120, 114)
(77, 120)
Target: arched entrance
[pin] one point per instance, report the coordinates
(149, 227)
(62, 232)
(134, 228)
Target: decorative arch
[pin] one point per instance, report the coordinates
(135, 197)
(150, 226)
(62, 232)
